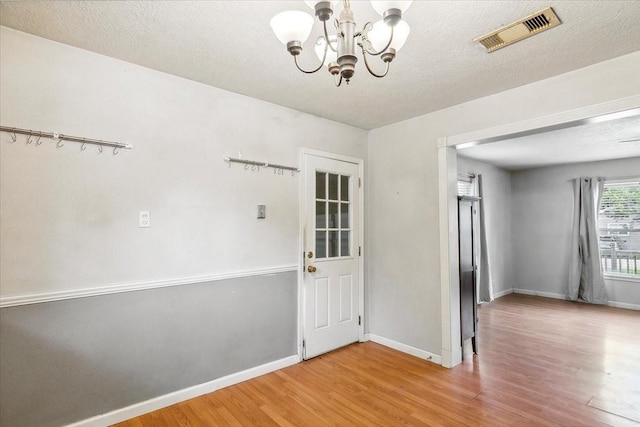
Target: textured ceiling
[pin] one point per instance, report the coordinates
(614, 139)
(229, 44)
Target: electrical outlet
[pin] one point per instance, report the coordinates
(144, 220)
(262, 211)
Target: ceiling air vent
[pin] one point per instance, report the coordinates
(519, 30)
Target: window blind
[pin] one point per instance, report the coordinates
(465, 188)
(620, 202)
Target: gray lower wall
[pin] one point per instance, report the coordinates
(66, 361)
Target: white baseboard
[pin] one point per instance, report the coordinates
(563, 297)
(623, 305)
(502, 293)
(422, 354)
(539, 294)
(160, 402)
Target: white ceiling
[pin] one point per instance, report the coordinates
(229, 44)
(613, 139)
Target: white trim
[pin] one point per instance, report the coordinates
(302, 218)
(449, 274)
(563, 297)
(361, 255)
(35, 298)
(422, 354)
(331, 156)
(447, 171)
(606, 111)
(621, 278)
(502, 293)
(160, 402)
(302, 184)
(539, 294)
(624, 305)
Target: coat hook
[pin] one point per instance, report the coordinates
(59, 144)
(29, 140)
(14, 138)
(38, 141)
(100, 148)
(115, 151)
(246, 166)
(83, 146)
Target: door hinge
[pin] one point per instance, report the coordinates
(359, 182)
(359, 250)
(359, 320)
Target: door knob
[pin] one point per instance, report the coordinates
(311, 269)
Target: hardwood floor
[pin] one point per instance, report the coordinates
(542, 362)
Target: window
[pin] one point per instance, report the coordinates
(465, 184)
(333, 216)
(619, 234)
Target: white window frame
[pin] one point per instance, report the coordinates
(605, 230)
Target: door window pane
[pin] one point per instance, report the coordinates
(344, 215)
(345, 244)
(321, 185)
(333, 187)
(333, 244)
(344, 188)
(333, 215)
(321, 214)
(321, 244)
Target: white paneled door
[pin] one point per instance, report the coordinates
(331, 269)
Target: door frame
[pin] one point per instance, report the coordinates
(301, 247)
(447, 196)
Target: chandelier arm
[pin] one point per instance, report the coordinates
(365, 40)
(336, 80)
(324, 58)
(366, 63)
(326, 37)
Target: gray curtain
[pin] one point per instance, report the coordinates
(586, 281)
(485, 282)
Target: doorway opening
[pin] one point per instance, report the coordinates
(447, 177)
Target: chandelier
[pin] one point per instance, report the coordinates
(338, 52)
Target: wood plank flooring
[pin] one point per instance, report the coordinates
(542, 362)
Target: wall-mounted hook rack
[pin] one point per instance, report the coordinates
(58, 138)
(257, 165)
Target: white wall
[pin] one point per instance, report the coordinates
(542, 223)
(69, 219)
(497, 203)
(402, 210)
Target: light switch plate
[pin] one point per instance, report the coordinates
(144, 220)
(262, 211)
